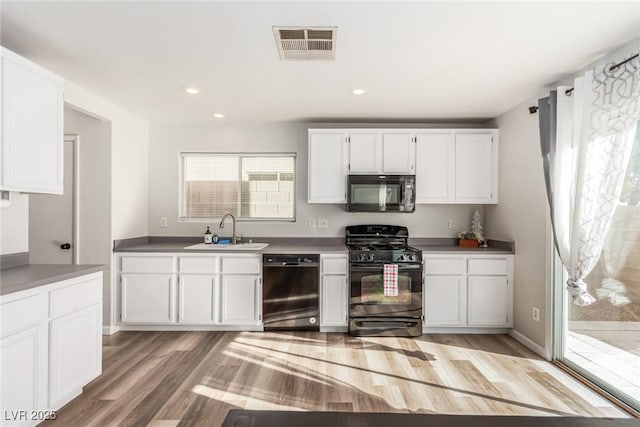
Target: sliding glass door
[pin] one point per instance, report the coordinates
(601, 341)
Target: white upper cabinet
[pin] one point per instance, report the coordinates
(398, 153)
(365, 153)
(452, 166)
(436, 163)
(476, 174)
(328, 162)
(32, 127)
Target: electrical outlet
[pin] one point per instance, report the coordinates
(448, 223)
(311, 222)
(163, 222)
(536, 314)
(323, 223)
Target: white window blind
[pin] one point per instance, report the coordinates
(250, 186)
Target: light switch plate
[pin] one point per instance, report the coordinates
(311, 222)
(323, 223)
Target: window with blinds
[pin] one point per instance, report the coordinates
(249, 186)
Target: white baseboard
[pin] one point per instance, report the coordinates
(462, 330)
(245, 328)
(110, 330)
(537, 349)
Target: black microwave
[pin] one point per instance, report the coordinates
(381, 193)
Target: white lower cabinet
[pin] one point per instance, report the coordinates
(75, 356)
(488, 300)
(334, 300)
(445, 298)
(24, 372)
(197, 296)
(334, 291)
(50, 346)
(148, 298)
(468, 291)
(221, 290)
(241, 300)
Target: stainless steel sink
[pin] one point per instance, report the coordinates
(229, 247)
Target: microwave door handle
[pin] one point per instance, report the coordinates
(382, 196)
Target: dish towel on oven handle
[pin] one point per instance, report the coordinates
(390, 280)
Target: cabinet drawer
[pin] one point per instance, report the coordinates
(241, 265)
(76, 297)
(334, 265)
(208, 264)
(22, 314)
(440, 266)
(144, 264)
(497, 266)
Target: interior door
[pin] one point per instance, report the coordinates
(51, 218)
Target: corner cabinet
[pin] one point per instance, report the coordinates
(465, 291)
(32, 127)
(452, 166)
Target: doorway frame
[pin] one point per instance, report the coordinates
(74, 139)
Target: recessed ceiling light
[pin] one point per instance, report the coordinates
(190, 90)
(358, 91)
(218, 115)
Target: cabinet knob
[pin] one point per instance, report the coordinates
(65, 246)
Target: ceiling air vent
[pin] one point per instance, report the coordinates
(306, 43)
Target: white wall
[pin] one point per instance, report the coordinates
(129, 161)
(129, 157)
(94, 198)
(14, 225)
(521, 215)
(166, 142)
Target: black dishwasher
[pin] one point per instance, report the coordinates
(290, 292)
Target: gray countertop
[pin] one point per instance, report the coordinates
(446, 249)
(295, 248)
(303, 245)
(21, 278)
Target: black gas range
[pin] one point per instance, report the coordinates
(372, 310)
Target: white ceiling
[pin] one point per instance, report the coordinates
(418, 60)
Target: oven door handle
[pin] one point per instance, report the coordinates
(401, 267)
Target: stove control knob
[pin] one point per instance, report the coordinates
(402, 258)
(412, 257)
(369, 257)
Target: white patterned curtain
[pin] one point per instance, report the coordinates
(585, 164)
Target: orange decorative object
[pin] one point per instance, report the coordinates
(468, 243)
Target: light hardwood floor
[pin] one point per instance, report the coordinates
(163, 379)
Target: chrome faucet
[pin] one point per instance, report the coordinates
(234, 239)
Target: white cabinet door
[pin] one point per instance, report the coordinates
(328, 163)
(32, 127)
(445, 301)
(147, 298)
(196, 298)
(435, 168)
(334, 300)
(398, 153)
(23, 364)
(476, 168)
(488, 301)
(241, 300)
(75, 354)
(365, 153)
